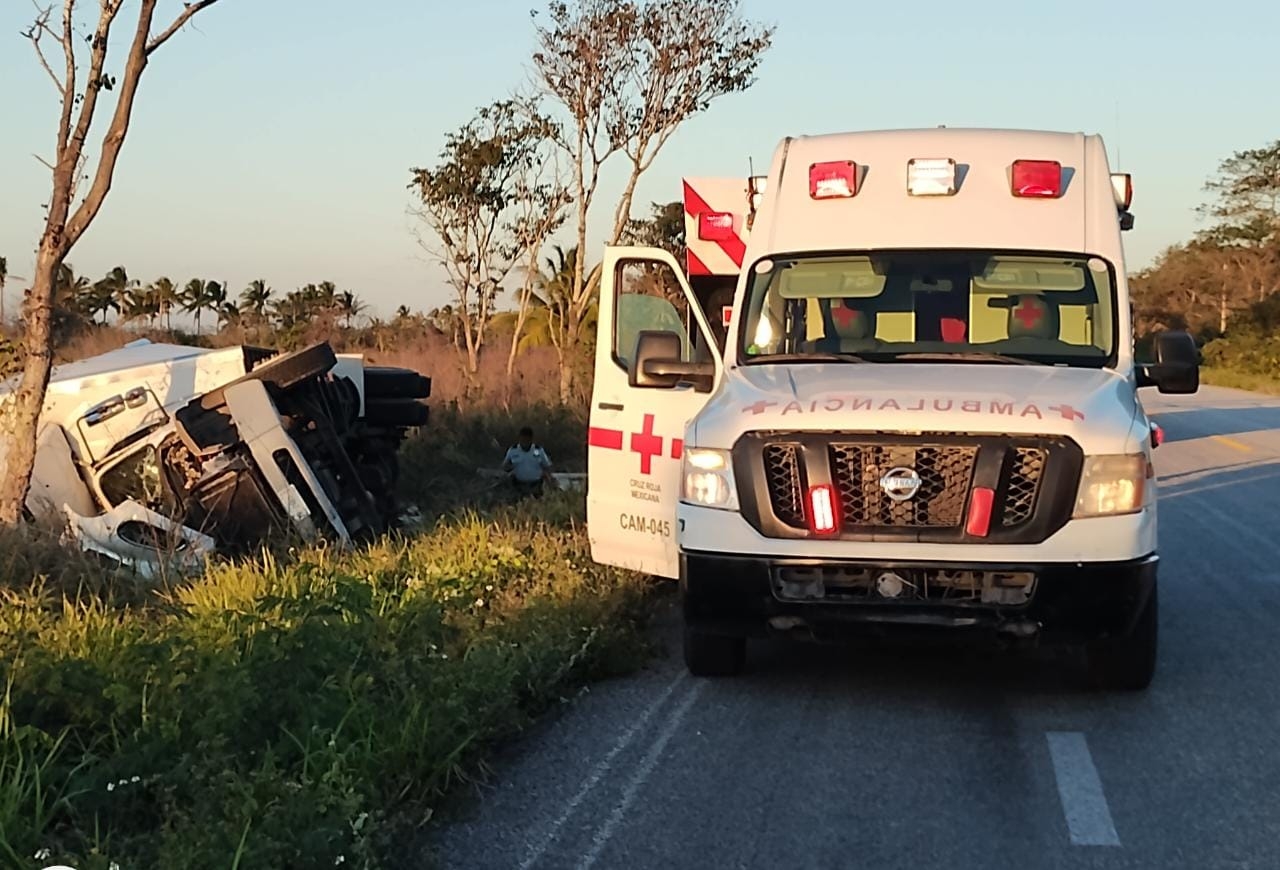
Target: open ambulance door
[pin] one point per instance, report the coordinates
(652, 375)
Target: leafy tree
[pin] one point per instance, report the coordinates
(1246, 214)
(64, 226)
(625, 75)
(470, 202)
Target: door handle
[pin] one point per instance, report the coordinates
(609, 406)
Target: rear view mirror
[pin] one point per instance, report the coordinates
(1177, 366)
(659, 363)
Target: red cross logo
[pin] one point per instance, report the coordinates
(844, 316)
(646, 444)
(1029, 313)
(758, 408)
(1067, 412)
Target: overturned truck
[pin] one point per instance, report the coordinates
(156, 454)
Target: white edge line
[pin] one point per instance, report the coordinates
(599, 771)
(602, 836)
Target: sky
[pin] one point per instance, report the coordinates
(273, 138)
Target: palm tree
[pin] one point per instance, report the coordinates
(229, 314)
(402, 313)
(350, 307)
(142, 303)
(165, 294)
(327, 296)
(4, 275)
(215, 297)
(119, 284)
(102, 297)
(70, 291)
(193, 299)
(255, 297)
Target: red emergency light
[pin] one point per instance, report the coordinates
(980, 505)
(715, 226)
(822, 509)
(833, 180)
(1037, 178)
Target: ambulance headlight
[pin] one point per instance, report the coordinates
(1113, 485)
(708, 478)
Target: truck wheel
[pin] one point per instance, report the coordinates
(713, 655)
(293, 368)
(389, 382)
(399, 413)
(1128, 663)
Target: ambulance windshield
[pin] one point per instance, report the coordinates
(884, 306)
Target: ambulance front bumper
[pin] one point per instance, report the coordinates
(745, 596)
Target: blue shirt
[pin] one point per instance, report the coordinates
(527, 465)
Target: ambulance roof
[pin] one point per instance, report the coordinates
(982, 213)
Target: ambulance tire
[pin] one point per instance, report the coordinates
(713, 655)
(1128, 663)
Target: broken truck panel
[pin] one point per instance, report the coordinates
(230, 447)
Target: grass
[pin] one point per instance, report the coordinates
(304, 710)
(1220, 376)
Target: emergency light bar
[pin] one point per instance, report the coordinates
(833, 180)
(1037, 179)
(931, 177)
(715, 226)
(1122, 187)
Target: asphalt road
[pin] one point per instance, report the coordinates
(957, 758)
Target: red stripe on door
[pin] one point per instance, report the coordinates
(609, 439)
(677, 448)
(694, 265)
(695, 205)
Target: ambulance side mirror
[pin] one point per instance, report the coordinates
(1177, 366)
(659, 363)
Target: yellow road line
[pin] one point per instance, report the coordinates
(1233, 443)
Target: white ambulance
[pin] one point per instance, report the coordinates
(925, 414)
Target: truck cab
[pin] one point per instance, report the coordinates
(924, 414)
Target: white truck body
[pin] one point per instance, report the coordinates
(136, 443)
(917, 312)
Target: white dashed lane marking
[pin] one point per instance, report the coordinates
(1083, 801)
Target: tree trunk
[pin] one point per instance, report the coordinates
(23, 413)
(1222, 312)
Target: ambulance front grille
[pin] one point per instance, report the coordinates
(947, 467)
(944, 472)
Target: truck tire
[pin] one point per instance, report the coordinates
(1128, 663)
(389, 382)
(290, 369)
(398, 413)
(713, 655)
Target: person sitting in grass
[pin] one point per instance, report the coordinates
(528, 465)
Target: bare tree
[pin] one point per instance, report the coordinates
(626, 74)
(474, 203)
(64, 226)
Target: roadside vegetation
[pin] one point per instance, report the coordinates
(300, 709)
(1223, 284)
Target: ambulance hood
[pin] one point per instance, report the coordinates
(1096, 408)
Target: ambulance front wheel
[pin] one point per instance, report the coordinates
(713, 655)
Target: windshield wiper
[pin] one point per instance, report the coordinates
(972, 356)
(824, 356)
